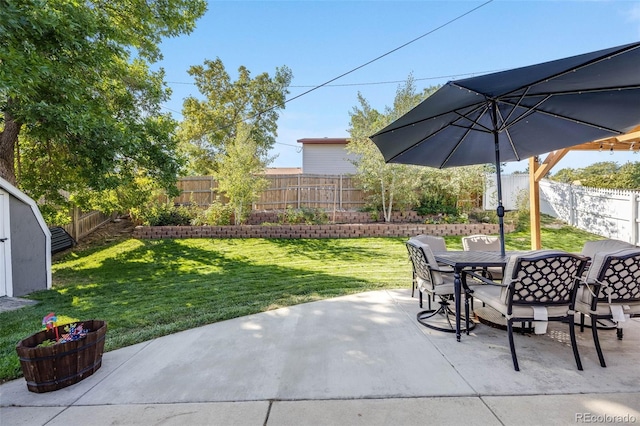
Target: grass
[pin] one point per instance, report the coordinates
(149, 288)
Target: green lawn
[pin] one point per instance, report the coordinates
(149, 288)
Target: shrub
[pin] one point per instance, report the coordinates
(163, 214)
(217, 214)
(446, 218)
(435, 204)
(304, 215)
(484, 216)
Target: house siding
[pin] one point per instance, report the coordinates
(331, 159)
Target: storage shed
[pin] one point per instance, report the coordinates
(327, 156)
(25, 244)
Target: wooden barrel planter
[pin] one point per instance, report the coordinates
(49, 368)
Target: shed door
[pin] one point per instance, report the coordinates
(5, 248)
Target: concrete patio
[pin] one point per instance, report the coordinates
(354, 360)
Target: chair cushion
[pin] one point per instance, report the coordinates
(590, 248)
(599, 258)
(446, 287)
(495, 297)
(481, 243)
(435, 243)
(431, 261)
(442, 289)
(583, 304)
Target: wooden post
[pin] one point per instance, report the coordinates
(534, 204)
(298, 192)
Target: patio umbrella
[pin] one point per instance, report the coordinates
(519, 113)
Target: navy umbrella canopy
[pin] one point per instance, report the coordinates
(519, 113)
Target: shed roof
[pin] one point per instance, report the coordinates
(334, 141)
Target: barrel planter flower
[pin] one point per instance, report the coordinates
(51, 367)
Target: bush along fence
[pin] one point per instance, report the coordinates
(405, 230)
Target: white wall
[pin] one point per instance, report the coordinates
(513, 186)
(332, 159)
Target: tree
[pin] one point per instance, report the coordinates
(239, 172)
(210, 124)
(80, 105)
(628, 176)
(451, 190)
(389, 185)
(605, 174)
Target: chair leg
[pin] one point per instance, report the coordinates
(420, 294)
(574, 344)
(596, 341)
(466, 312)
(413, 284)
(444, 318)
(619, 333)
(581, 322)
(511, 344)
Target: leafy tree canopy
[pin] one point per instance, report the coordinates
(389, 185)
(240, 173)
(606, 174)
(79, 102)
(211, 123)
(399, 186)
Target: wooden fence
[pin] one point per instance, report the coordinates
(83, 223)
(312, 191)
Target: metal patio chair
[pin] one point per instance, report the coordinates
(611, 291)
(538, 287)
(484, 243)
(436, 281)
(436, 244)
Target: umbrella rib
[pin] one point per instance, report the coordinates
(413, 123)
(575, 92)
(515, 105)
(414, 145)
(534, 109)
(527, 113)
(583, 65)
(564, 72)
(475, 122)
(455, 148)
(508, 134)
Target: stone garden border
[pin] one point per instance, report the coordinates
(405, 230)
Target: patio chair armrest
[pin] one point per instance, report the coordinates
(483, 279)
(445, 269)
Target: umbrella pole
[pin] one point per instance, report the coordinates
(500, 208)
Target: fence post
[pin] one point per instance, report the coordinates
(572, 206)
(76, 223)
(340, 201)
(633, 198)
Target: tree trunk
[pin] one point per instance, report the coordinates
(8, 140)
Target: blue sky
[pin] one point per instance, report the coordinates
(320, 40)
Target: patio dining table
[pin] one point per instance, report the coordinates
(461, 260)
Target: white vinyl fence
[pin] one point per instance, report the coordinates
(605, 212)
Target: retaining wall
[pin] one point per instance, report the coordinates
(315, 231)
